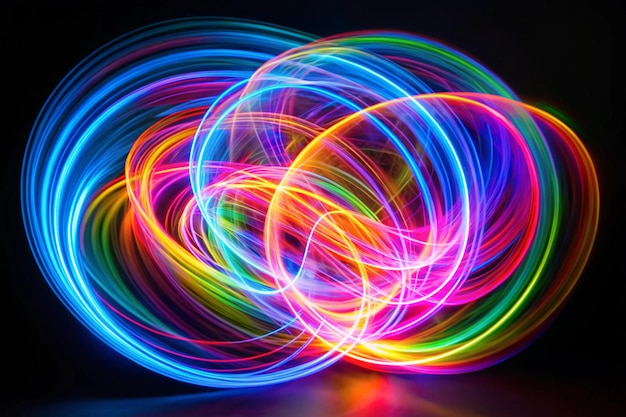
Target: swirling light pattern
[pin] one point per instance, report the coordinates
(231, 203)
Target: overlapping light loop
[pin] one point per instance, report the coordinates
(232, 204)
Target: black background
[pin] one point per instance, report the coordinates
(562, 54)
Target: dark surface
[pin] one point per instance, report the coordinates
(357, 393)
(561, 55)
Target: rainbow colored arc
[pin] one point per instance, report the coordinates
(231, 203)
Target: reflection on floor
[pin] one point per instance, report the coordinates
(363, 394)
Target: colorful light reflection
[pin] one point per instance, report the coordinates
(231, 203)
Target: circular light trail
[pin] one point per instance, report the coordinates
(231, 203)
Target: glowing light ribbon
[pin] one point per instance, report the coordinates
(230, 203)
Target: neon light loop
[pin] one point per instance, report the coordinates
(232, 204)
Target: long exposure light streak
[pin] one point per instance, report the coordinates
(231, 203)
